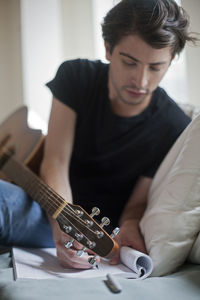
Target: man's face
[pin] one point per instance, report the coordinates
(135, 71)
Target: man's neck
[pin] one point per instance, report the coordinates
(129, 110)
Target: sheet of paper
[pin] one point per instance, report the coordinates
(138, 262)
(43, 264)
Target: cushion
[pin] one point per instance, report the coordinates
(190, 109)
(194, 255)
(171, 222)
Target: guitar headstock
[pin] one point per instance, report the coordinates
(81, 226)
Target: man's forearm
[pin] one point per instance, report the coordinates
(137, 202)
(57, 179)
(134, 212)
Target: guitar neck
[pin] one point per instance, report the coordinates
(33, 185)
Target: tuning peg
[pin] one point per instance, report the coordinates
(115, 232)
(99, 234)
(78, 236)
(79, 213)
(67, 228)
(91, 244)
(69, 244)
(95, 212)
(89, 223)
(81, 251)
(105, 222)
(93, 261)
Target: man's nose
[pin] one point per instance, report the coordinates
(141, 78)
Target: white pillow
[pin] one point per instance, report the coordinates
(194, 255)
(171, 221)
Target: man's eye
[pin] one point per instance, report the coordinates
(155, 69)
(129, 63)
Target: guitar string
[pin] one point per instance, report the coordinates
(29, 184)
(65, 210)
(45, 187)
(50, 195)
(53, 200)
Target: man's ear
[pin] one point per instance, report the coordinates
(107, 48)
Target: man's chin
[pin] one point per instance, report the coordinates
(135, 100)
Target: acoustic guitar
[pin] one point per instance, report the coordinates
(21, 151)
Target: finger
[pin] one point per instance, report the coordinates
(66, 238)
(77, 245)
(68, 258)
(90, 252)
(139, 246)
(115, 259)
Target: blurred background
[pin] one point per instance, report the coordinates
(37, 35)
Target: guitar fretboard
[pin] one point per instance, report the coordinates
(33, 185)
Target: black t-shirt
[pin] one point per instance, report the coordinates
(111, 152)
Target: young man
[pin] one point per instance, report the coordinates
(110, 127)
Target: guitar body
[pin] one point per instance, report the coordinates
(28, 143)
(21, 152)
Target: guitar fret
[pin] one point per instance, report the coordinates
(58, 211)
(33, 185)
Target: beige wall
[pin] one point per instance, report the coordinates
(77, 41)
(193, 52)
(77, 28)
(10, 57)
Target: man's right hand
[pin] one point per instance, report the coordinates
(129, 236)
(68, 258)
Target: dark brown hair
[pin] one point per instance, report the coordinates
(160, 23)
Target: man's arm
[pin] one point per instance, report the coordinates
(58, 148)
(129, 234)
(55, 172)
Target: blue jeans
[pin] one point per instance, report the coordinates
(22, 221)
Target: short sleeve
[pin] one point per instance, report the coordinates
(66, 85)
